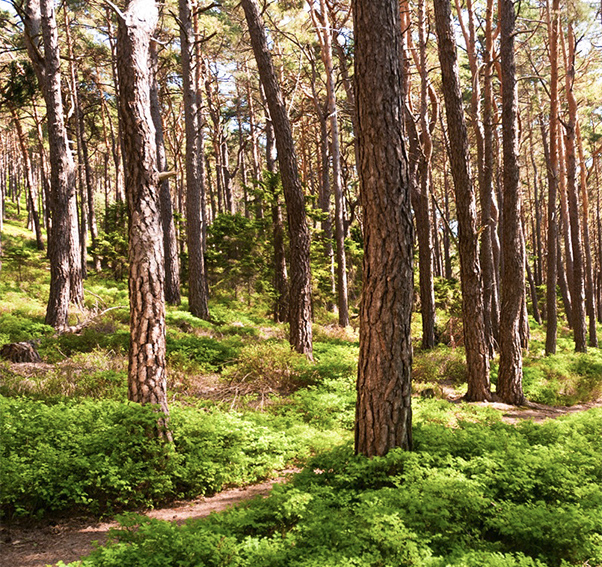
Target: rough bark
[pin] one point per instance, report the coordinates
(383, 410)
(477, 355)
(147, 370)
(197, 279)
(63, 247)
(170, 245)
(300, 273)
(510, 375)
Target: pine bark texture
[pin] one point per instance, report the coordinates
(63, 242)
(147, 370)
(300, 313)
(383, 410)
(477, 352)
(197, 279)
(170, 244)
(510, 376)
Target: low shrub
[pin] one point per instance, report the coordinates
(98, 455)
(494, 495)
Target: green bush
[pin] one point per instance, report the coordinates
(478, 495)
(98, 455)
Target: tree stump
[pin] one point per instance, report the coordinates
(20, 352)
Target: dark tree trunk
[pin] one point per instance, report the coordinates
(510, 376)
(578, 280)
(383, 410)
(197, 279)
(281, 309)
(300, 277)
(170, 244)
(28, 178)
(477, 354)
(552, 161)
(491, 300)
(147, 370)
(64, 248)
(324, 33)
(587, 245)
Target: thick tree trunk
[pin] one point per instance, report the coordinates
(64, 249)
(383, 410)
(147, 370)
(170, 245)
(197, 279)
(300, 277)
(477, 353)
(510, 375)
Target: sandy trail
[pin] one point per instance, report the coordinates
(72, 539)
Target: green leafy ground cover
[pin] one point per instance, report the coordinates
(475, 491)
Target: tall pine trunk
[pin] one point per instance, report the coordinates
(147, 382)
(300, 273)
(510, 376)
(477, 353)
(64, 245)
(383, 410)
(197, 279)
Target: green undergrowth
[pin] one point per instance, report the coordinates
(98, 456)
(479, 494)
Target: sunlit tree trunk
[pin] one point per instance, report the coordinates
(300, 273)
(383, 410)
(64, 246)
(510, 375)
(197, 284)
(170, 245)
(477, 353)
(147, 369)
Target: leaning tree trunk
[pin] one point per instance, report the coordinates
(300, 276)
(510, 376)
(147, 370)
(383, 410)
(477, 353)
(197, 280)
(63, 242)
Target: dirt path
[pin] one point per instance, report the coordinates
(73, 539)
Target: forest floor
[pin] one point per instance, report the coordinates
(70, 539)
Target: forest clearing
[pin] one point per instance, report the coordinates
(302, 283)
